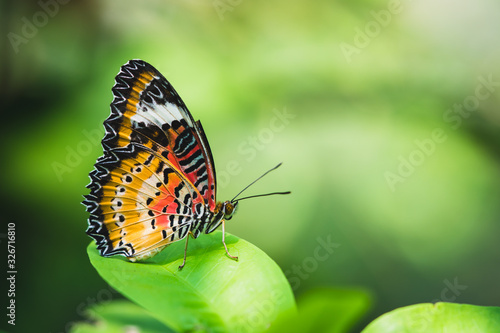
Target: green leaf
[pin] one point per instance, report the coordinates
(118, 317)
(439, 317)
(326, 310)
(212, 293)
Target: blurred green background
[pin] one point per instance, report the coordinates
(347, 94)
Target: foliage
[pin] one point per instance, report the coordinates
(211, 293)
(216, 294)
(117, 316)
(439, 317)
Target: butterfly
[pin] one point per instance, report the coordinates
(155, 183)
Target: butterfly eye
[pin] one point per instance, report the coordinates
(229, 209)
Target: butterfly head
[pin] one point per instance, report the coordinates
(229, 208)
(225, 210)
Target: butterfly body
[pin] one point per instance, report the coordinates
(155, 183)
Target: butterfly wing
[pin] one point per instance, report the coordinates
(155, 181)
(147, 110)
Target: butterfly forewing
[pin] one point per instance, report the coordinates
(149, 112)
(155, 181)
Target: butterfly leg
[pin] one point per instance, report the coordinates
(185, 250)
(224, 241)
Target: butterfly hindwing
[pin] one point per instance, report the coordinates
(155, 181)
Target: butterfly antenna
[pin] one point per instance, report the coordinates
(259, 195)
(263, 195)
